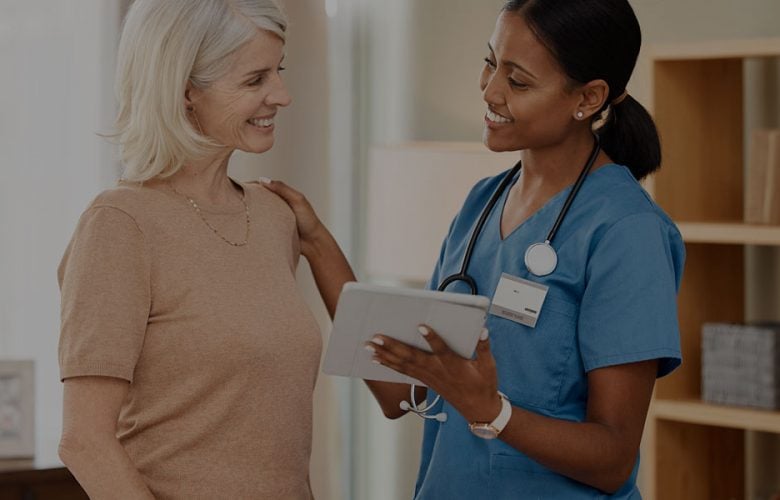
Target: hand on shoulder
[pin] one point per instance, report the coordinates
(310, 228)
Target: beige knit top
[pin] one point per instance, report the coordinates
(218, 346)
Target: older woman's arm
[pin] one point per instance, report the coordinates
(89, 447)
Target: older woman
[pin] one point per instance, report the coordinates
(187, 355)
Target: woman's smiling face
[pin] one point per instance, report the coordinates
(530, 99)
(238, 110)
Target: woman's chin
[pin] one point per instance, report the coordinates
(496, 145)
(257, 148)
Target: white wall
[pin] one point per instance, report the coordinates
(57, 58)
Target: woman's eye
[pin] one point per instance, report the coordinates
(518, 85)
(490, 64)
(260, 79)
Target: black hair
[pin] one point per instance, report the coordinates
(600, 39)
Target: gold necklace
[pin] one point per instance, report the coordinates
(194, 205)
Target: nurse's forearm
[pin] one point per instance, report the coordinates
(329, 266)
(390, 394)
(331, 271)
(588, 452)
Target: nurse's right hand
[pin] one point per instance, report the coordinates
(310, 228)
(328, 263)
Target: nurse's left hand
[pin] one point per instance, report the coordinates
(469, 385)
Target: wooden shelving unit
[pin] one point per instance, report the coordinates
(700, 413)
(729, 234)
(695, 450)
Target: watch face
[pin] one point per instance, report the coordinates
(485, 431)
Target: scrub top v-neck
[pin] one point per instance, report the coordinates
(611, 301)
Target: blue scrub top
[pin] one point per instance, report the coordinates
(611, 300)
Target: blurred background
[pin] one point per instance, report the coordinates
(364, 75)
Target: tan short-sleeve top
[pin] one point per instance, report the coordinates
(220, 350)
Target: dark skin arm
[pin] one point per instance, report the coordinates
(331, 271)
(599, 452)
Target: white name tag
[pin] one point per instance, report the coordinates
(518, 300)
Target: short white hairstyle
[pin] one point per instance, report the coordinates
(165, 45)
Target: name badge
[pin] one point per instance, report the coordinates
(518, 300)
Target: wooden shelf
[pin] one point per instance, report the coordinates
(716, 49)
(729, 233)
(701, 451)
(699, 412)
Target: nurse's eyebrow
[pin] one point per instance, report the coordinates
(513, 64)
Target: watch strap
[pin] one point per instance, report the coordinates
(504, 415)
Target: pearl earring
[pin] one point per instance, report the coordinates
(580, 114)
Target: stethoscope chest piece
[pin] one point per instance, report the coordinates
(541, 259)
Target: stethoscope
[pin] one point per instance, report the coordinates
(541, 259)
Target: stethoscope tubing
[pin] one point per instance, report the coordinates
(463, 275)
(576, 188)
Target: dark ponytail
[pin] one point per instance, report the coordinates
(600, 39)
(630, 138)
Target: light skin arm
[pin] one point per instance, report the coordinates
(331, 272)
(600, 452)
(89, 447)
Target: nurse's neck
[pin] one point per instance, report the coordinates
(546, 171)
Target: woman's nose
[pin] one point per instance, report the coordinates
(491, 93)
(280, 96)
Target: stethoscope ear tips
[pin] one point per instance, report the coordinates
(441, 417)
(405, 406)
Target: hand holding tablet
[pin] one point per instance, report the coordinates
(366, 310)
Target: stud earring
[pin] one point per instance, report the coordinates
(580, 114)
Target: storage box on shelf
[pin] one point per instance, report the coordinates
(741, 365)
(696, 450)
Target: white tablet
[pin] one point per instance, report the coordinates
(365, 310)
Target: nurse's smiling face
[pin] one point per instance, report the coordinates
(530, 101)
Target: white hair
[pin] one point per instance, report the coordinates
(165, 45)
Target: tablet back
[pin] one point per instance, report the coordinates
(366, 310)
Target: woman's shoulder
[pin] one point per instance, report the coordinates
(618, 205)
(257, 194)
(618, 196)
(136, 200)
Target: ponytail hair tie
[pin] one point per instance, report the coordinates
(620, 98)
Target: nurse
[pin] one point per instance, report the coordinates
(553, 404)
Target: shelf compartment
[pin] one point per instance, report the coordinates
(699, 115)
(702, 413)
(698, 462)
(729, 233)
(718, 270)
